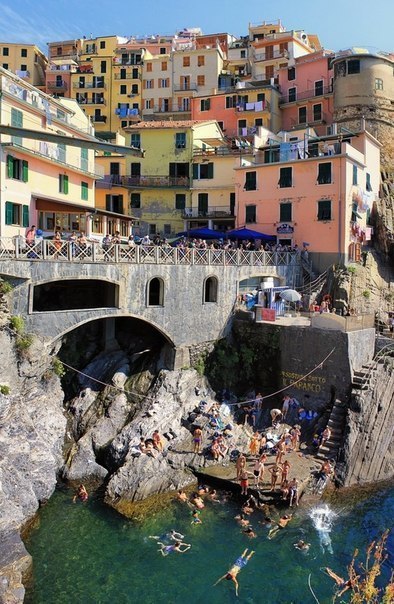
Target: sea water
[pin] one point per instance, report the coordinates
(87, 553)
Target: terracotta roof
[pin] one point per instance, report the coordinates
(167, 124)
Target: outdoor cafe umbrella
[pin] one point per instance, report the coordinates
(290, 295)
(201, 233)
(244, 233)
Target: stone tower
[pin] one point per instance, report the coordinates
(364, 88)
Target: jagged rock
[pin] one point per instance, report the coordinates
(82, 465)
(15, 563)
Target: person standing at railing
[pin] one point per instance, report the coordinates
(57, 239)
(30, 239)
(73, 241)
(82, 243)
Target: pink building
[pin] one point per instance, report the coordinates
(314, 191)
(307, 92)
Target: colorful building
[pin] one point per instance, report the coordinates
(312, 191)
(26, 61)
(307, 92)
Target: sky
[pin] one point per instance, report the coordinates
(340, 24)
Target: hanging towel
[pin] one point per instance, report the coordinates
(284, 151)
(258, 106)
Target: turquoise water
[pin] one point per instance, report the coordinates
(87, 553)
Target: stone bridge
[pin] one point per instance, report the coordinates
(187, 295)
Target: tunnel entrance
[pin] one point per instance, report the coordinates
(74, 294)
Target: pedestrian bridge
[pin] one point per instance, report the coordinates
(187, 295)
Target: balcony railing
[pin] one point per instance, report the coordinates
(129, 61)
(306, 94)
(254, 106)
(300, 151)
(212, 212)
(16, 248)
(99, 119)
(155, 181)
(59, 85)
(278, 54)
(222, 151)
(162, 109)
(127, 76)
(83, 85)
(91, 101)
(185, 86)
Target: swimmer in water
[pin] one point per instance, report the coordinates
(174, 547)
(280, 524)
(167, 537)
(344, 585)
(302, 546)
(196, 517)
(231, 574)
(181, 496)
(81, 494)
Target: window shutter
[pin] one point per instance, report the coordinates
(8, 212)
(65, 185)
(195, 171)
(10, 166)
(25, 171)
(25, 216)
(210, 170)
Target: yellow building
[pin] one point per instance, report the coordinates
(161, 184)
(27, 61)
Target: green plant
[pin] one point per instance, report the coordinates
(24, 342)
(5, 287)
(17, 324)
(351, 270)
(200, 365)
(366, 293)
(58, 367)
(4, 389)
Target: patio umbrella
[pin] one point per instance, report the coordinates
(202, 233)
(290, 295)
(243, 233)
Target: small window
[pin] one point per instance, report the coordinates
(200, 60)
(23, 67)
(136, 140)
(167, 230)
(205, 104)
(24, 52)
(354, 175)
(258, 122)
(285, 212)
(152, 229)
(164, 65)
(302, 115)
(180, 201)
(291, 73)
(186, 61)
(368, 185)
(16, 214)
(123, 89)
(135, 168)
(163, 50)
(243, 54)
(17, 169)
(123, 124)
(285, 177)
(155, 290)
(5, 65)
(250, 181)
(324, 174)
(317, 113)
(319, 87)
(103, 68)
(378, 84)
(84, 191)
(102, 44)
(324, 209)
(63, 184)
(292, 95)
(201, 80)
(203, 171)
(149, 67)
(6, 52)
(211, 289)
(180, 140)
(134, 89)
(135, 200)
(250, 214)
(231, 102)
(353, 66)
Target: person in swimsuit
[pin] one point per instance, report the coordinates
(294, 491)
(285, 472)
(281, 524)
(231, 574)
(174, 547)
(275, 470)
(302, 546)
(197, 440)
(196, 517)
(181, 496)
(81, 494)
(240, 464)
(344, 585)
(244, 482)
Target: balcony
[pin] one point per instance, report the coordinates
(84, 101)
(127, 76)
(90, 49)
(57, 86)
(212, 212)
(159, 182)
(256, 106)
(161, 109)
(315, 120)
(89, 85)
(224, 151)
(185, 87)
(130, 60)
(306, 94)
(128, 113)
(109, 181)
(301, 151)
(24, 75)
(278, 54)
(99, 119)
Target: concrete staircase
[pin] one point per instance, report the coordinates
(336, 423)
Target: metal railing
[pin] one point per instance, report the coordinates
(212, 212)
(89, 85)
(17, 249)
(155, 181)
(306, 94)
(58, 85)
(266, 56)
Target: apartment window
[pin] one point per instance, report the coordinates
(63, 184)
(201, 80)
(59, 51)
(221, 126)
(292, 95)
(23, 67)
(250, 181)
(16, 122)
(243, 54)
(258, 122)
(180, 201)
(324, 209)
(152, 229)
(123, 89)
(155, 285)
(178, 169)
(164, 83)
(149, 84)
(135, 201)
(285, 212)
(103, 67)
(134, 73)
(114, 203)
(6, 52)
(269, 72)
(123, 124)
(302, 115)
(84, 159)
(200, 60)
(368, 185)
(24, 52)
(354, 182)
(16, 214)
(353, 66)
(250, 214)
(186, 61)
(163, 50)
(203, 204)
(378, 84)
(84, 191)
(136, 140)
(285, 177)
(231, 101)
(319, 89)
(211, 289)
(164, 65)
(148, 104)
(135, 169)
(205, 104)
(324, 174)
(102, 44)
(180, 140)
(203, 171)
(149, 67)
(5, 65)
(17, 169)
(134, 89)
(317, 113)
(291, 74)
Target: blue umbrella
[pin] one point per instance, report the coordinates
(202, 233)
(244, 233)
